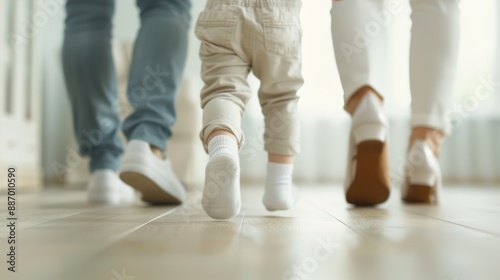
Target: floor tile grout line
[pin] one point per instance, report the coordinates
(330, 215)
(93, 223)
(107, 207)
(69, 215)
(130, 231)
(453, 223)
(242, 222)
(119, 237)
(422, 215)
(240, 229)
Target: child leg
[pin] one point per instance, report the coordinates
(278, 63)
(223, 99)
(280, 193)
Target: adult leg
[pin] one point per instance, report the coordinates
(277, 62)
(359, 32)
(433, 62)
(157, 66)
(360, 44)
(91, 82)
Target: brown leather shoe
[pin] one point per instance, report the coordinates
(367, 180)
(423, 175)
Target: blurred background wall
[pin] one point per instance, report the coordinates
(471, 154)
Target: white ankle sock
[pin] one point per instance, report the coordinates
(221, 194)
(280, 192)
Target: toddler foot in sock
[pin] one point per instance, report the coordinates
(221, 194)
(280, 193)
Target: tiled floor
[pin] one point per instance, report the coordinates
(62, 238)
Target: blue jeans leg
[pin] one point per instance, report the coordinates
(91, 81)
(158, 62)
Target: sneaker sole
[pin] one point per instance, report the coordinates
(371, 182)
(151, 192)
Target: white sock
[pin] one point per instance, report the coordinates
(280, 192)
(221, 194)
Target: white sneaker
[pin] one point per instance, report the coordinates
(367, 178)
(105, 187)
(127, 192)
(423, 175)
(151, 176)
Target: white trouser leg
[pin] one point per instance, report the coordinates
(359, 32)
(433, 60)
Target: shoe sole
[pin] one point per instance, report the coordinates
(151, 192)
(371, 181)
(420, 194)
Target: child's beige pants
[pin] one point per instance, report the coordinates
(264, 36)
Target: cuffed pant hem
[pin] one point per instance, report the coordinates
(104, 161)
(432, 121)
(221, 114)
(282, 147)
(354, 86)
(220, 125)
(150, 136)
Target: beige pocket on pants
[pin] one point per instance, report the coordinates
(282, 36)
(216, 27)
